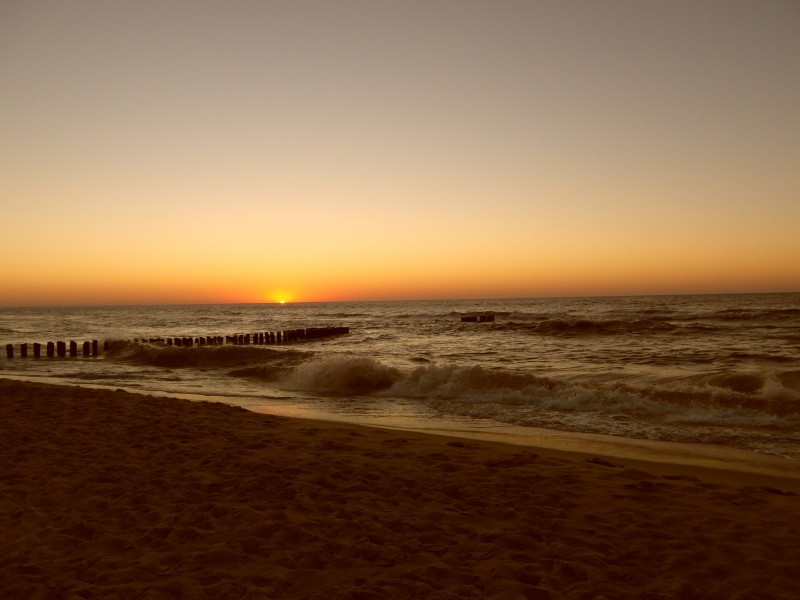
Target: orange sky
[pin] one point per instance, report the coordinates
(308, 151)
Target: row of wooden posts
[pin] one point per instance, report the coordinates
(268, 337)
(481, 318)
(91, 348)
(55, 349)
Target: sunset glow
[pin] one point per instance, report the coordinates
(246, 153)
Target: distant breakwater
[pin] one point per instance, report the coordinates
(91, 348)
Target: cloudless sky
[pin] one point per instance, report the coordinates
(198, 151)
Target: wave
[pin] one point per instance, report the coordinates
(646, 321)
(343, 375)
(745, 314)
(716, 400)
(264, 373)
(589, 327)
(767, 358)
(202, 357)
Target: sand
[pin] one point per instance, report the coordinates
(107, 494)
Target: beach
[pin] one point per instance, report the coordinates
(107, 494)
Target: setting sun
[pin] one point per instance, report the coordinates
(280, 296)
(505, 164)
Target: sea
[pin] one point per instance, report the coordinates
(717, 370)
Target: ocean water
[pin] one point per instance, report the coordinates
(715, 369)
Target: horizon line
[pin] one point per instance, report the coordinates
(432, 299)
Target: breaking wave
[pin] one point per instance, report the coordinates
(731, 409)
(202, 357)
(343, 375)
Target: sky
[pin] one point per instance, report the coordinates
(257, 151)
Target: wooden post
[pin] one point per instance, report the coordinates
(51, 347)
(23, 350)
(73, 348)
(37, 350)
(94, 347)
(61, 348)
(87, 348)
(9, 351)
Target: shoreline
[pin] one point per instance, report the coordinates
(720, 463)
(112, 494)
(723, 464)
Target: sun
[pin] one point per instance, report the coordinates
(281, 296)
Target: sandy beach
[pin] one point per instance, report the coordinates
(113, 495)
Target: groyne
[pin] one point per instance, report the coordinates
(93, 348)
(484, 317)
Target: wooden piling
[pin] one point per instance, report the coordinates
(91, 347)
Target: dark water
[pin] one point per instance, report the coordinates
(715, 369)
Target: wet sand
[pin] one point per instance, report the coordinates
(115, 495)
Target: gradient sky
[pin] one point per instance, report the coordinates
(240, 151)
